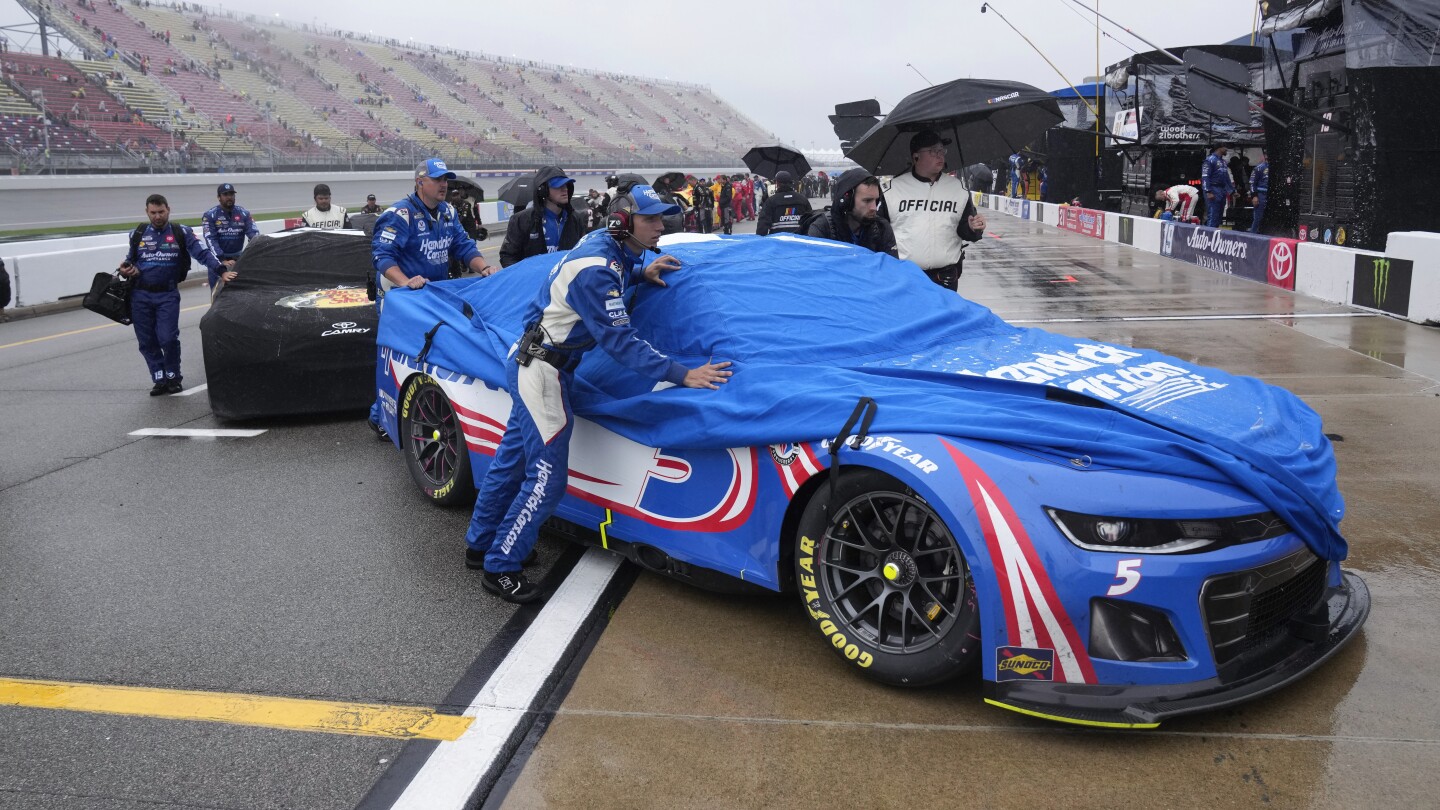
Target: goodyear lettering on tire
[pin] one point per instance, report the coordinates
(827, 627)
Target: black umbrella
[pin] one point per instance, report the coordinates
(519, 191)
(467, 186)
(767, 161)
(983, 120)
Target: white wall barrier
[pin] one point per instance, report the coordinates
(1326, 271)
(47, 270)
(1416, 253)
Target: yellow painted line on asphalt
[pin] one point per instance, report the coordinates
(82, 331)
(297, 714)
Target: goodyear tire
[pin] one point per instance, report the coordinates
(885, 582)
(434, 444)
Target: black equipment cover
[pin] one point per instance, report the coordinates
(110, 296)
(294, 333)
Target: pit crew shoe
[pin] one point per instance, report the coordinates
(512, 586)
(475, 560)
(160, 389)
(174, 387)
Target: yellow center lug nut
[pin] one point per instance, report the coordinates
(891, 571)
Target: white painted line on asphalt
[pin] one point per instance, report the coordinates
(192, 391)
(454, 769)
(1135, 318)
(199, 433)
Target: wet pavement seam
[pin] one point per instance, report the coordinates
(942, 728)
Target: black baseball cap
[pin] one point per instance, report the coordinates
(224, 188)
(369, 196)
(926, 138)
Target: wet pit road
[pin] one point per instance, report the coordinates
(300, 563)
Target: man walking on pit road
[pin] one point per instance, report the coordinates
(159, 258)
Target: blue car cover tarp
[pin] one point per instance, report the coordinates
(811, 326)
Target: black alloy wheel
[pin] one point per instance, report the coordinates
(434, 444)
(886, 582)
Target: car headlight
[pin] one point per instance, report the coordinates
(1159, 536)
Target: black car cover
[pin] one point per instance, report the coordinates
(294, 333)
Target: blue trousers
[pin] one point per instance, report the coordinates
(526, 480)
(156, 316)
(1259, 212)
(1214, 210)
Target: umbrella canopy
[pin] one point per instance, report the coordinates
(983, 120)
(519, 191)
(767, 161)
(467, 186)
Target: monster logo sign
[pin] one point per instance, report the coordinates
(1382, 283)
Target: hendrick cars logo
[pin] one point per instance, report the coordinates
(334, 298)
(345, 328)
(1005, 97)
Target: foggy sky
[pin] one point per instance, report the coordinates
(785, 64)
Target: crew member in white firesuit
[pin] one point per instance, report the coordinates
(413, 243)
(581, 305)
(1179, 201)
(325, 216)
(226, 227)
(932, 212)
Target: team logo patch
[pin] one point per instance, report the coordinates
(1024, 664)
(237, 218)
(169, 237)
(335, 298)
(614, 306)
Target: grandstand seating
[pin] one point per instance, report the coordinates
(235, 83)
(84, 105)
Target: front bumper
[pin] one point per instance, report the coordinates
(1116, 706)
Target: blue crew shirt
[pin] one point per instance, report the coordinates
(420, 242)
(554, 225)
(1260, 179)
(158, 256)
(583, 305)
(226, 231)
(1215, 176)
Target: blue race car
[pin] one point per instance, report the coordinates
(1113, 536)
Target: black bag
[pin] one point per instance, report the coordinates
(110, 296)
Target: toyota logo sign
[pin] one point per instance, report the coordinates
(1282, 260)
(351, 324)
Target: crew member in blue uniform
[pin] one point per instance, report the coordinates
(1259, 192)
(413, 243)
(226, 228)
(581, 305)
(1017, 175)
(159, 257)
(1218, 185)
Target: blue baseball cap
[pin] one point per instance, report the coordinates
(434, 168)
(648, 203)
(558, 182)
(224, 188)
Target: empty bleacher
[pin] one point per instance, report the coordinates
(236, 84)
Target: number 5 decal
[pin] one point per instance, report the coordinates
(1128, 572)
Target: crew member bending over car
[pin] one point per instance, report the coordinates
(415, 239)
(854, 214)
(1179, 201)
(226, 227)
(159, 258)
(581, 305)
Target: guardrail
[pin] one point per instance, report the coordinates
(1403, 281)
(49, 270)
